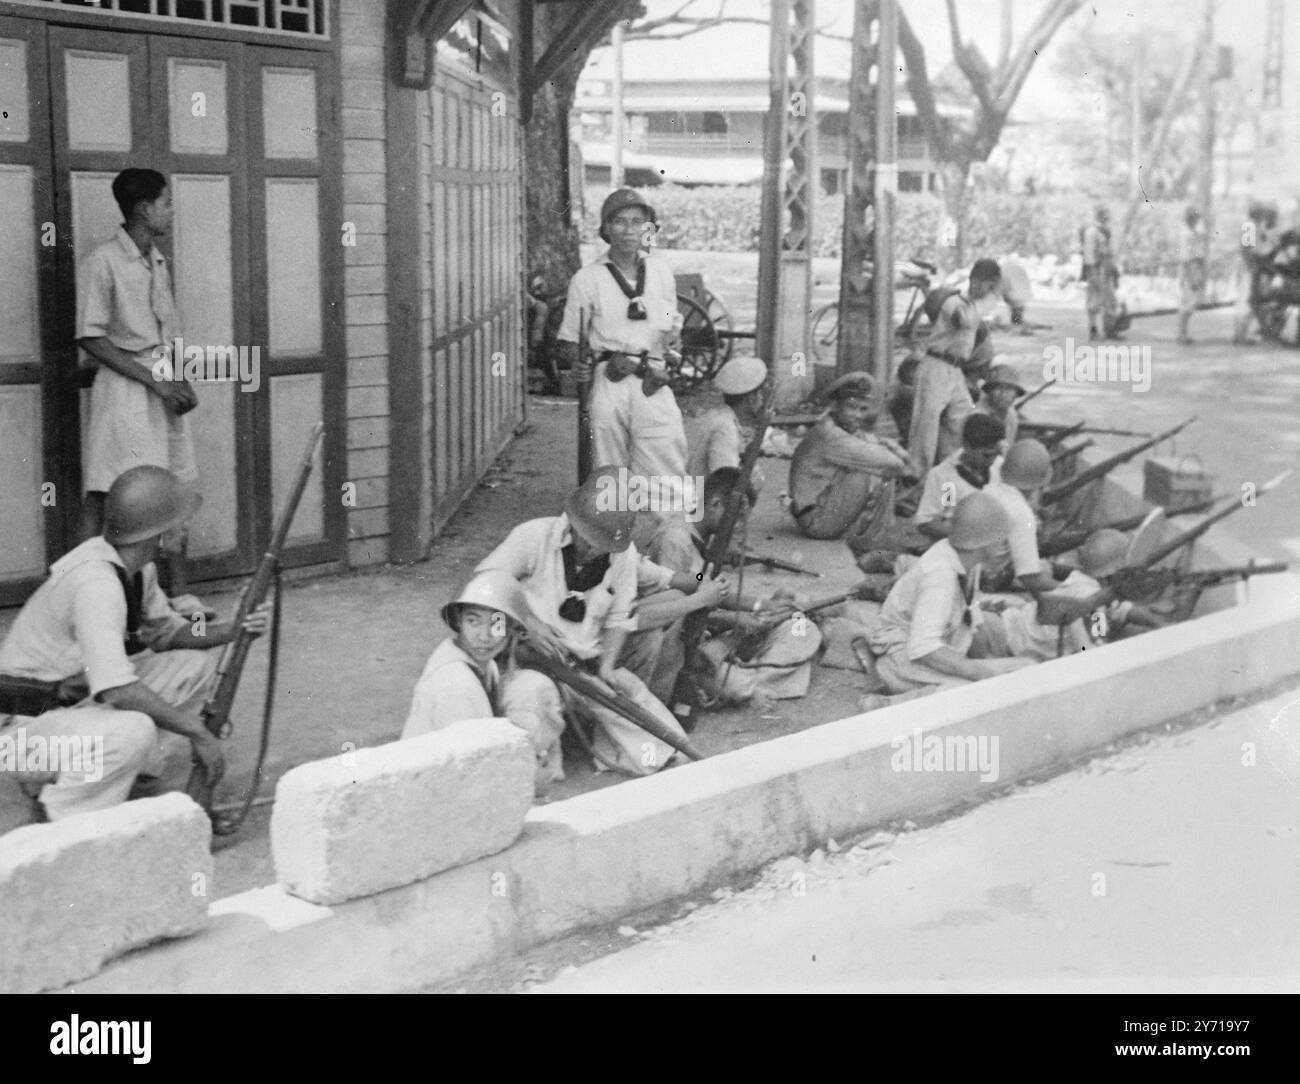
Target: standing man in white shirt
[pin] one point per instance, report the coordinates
(127, 323)
(629, 300)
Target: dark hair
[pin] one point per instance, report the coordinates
(982, 431)
(734, 401)
(719, 484)
(134, 186)
(986, 270)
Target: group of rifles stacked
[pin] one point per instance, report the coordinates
(609, 629)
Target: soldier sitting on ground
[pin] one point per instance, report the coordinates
(579, 574)
(933, 633)
(115, 662)
(964, 472)
(840, 469)
(1001, 390)
(472, 675)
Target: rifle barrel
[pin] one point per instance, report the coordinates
(1033, 394)
(1100, 470)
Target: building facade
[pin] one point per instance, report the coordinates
(347, 178)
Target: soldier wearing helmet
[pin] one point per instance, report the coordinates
(932, 632)
(580, 575)
(628, 301)
(1000, 391)
(119, 665)
(471, 675)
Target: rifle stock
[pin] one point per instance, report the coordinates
(1100, 470)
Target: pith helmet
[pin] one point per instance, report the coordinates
(740, 376)
(978, 521)
(1005, 375)
(493, 589)
(597, 509)
(145, 502)
(1027, 465)
(620, 200)
(1104, 553)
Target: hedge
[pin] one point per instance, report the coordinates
(726, 219)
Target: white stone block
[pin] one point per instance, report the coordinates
(363, 822)
(77, 892)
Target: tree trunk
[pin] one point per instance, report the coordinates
(551, 219)
(953, 178)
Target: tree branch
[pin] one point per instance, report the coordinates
(1011, 79)
(921, 92)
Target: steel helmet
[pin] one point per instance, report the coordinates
(1104, 553)
(740, 376)
(1005, 375)
(1027, 465)
(145, 502)
(620, 200)
(978, 521)
(493, 589)
(598, 511)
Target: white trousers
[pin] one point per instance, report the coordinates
(121, 744)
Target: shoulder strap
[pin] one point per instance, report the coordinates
(133, 589)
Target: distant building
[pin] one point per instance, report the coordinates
(702, 130)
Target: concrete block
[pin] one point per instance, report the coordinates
(363, 822)
(77, 892)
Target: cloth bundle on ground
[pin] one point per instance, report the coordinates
(781, 669)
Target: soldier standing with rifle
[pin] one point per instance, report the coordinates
(627, 301)
(98, 652)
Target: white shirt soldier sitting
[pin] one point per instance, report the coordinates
(471, 675)
(933, 632)
(119, 663)
(580, 575)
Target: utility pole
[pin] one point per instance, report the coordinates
(886, 190)
(1205, 177)
(618, 121)
(856, 347)
(786, 228)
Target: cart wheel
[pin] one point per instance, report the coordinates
(722, 321)
(826, 333)
(701, 348)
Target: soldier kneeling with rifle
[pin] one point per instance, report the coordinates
(579, 574)
(98, 657)
(473, 674)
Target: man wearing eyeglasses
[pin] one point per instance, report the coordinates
(628, 299)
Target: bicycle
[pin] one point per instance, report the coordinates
(916, 275)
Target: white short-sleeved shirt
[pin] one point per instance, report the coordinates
(76, 622)
(1023, 539)
(450, 690)
(926, 609)
(594, 291)
(944, 489)
(532, 554)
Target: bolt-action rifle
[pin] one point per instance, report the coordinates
(751, 558)
(1193, 533)
(594, 689)
(687, 695)
(1064, 541)
(216, 711)
(1147, 582)
(1100, 470)
(1072, 450)
(1029, 395)
(586, 373)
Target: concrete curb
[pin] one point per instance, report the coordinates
(596, 857)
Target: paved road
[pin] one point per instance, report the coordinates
(1169, 865)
